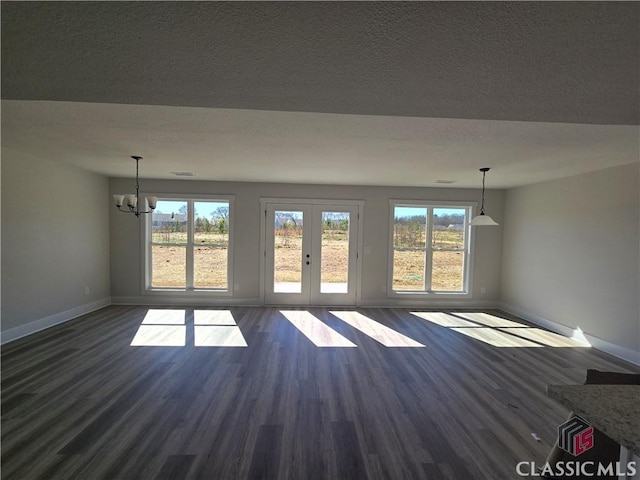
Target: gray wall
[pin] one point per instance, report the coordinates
(571, 253)
(55, 239)
(126, 285)
(566, 251)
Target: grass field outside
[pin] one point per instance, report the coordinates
(210, 260)
(169, 259)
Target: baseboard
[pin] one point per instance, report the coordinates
(157, 301)
(623, 353)
(431, 304)
(15, 333)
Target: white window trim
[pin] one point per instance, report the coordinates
(145, 227)
(469, 251)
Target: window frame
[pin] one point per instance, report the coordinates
(470, 208)
(189, 289)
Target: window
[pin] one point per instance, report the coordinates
(430, 248)
(188, 245)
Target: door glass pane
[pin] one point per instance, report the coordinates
(211, 244)
(334, 265)
(409, 248)
(287, 254)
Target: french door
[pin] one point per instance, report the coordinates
(310, 253)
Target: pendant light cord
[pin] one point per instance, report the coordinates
(482, 204)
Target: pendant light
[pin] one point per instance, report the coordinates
(483, 219)
(131, 200)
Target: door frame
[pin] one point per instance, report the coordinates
(264, 201)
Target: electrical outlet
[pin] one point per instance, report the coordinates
(87, 290)
(483, 290)
(383, 289)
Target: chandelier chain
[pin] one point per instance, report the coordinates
(133, 204)
(137, 188)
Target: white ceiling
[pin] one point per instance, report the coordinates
(363, 93)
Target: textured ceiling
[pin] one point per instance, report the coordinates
(441, 64)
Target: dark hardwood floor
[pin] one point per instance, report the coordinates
(79, 402)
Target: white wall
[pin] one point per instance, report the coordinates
(571, 255)
(55, 242)
(125, 235)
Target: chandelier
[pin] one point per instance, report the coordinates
(130, 201)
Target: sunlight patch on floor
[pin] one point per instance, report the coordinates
(579, 336)
(487, 319)
(500, 332)
(444, 319)
(216, 328)
(213, 317)
(379, 332)
(544, 337)
(320, 334)
(160, 336)
(495, 337)
(167, 328)
(218, 336)
(161, 328)
(160, 316)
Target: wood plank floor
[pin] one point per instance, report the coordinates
(79, 402)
